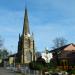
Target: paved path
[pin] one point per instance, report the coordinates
(7, 72)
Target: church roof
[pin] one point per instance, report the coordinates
(13, 55)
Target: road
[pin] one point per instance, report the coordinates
(7, 72)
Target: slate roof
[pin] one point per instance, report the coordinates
(13, 55)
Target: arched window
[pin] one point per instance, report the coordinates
(29, 56)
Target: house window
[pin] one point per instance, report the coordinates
(64, 62)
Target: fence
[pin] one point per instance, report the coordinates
(28, 71)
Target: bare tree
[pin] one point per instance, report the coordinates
(59, 42)
(1, 42)
(3, 51)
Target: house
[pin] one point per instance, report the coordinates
(12, 59)
(65, 56)
(46, 55)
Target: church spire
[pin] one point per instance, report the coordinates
(26, 23)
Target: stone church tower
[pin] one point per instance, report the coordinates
(26, 46)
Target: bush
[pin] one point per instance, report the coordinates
(36, 66)
(39, 64)
(71, 71)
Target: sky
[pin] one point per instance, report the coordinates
(48, 19)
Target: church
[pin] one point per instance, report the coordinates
(26, 45)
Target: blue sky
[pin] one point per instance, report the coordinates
(48, 19)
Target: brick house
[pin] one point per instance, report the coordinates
(65, 56)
